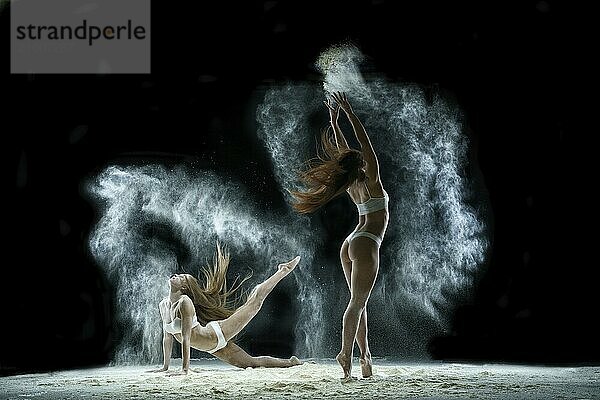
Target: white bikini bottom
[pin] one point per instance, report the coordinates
(221, 342)
(371, 236)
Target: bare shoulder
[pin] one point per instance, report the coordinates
(186, 305)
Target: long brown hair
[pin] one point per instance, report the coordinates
(328, 175)
(213, 300)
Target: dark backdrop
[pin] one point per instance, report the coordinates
(522, 73)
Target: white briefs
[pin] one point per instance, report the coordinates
(369, 235)
(221, 342)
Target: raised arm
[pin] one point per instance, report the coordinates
(372, 167)
(334, 112)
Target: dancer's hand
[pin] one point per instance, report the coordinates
(334, 109)
(163, 369)
(181, 372)
(342, 100)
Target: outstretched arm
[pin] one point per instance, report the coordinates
(187, 311)
(167, 342)
(372, 167)
(334, 112)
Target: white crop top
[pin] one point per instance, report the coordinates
(373, 204)
(174, 326)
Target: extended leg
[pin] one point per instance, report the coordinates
(366, 364)
(235, 355)
(362, 333)
(244, 314)
(365, 263)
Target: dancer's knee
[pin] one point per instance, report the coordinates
(358, 303)
(260, 293)
(254, 303)
(257, 294)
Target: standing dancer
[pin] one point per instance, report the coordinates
(342, 169)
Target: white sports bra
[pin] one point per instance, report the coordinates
(373, 204)
(174, 326)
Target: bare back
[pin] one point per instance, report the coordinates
(362, 191)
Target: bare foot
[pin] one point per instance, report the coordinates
(366, 366)
(289, 266)
(294, 361)
(346, 364)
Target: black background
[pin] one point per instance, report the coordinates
(521, 72)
